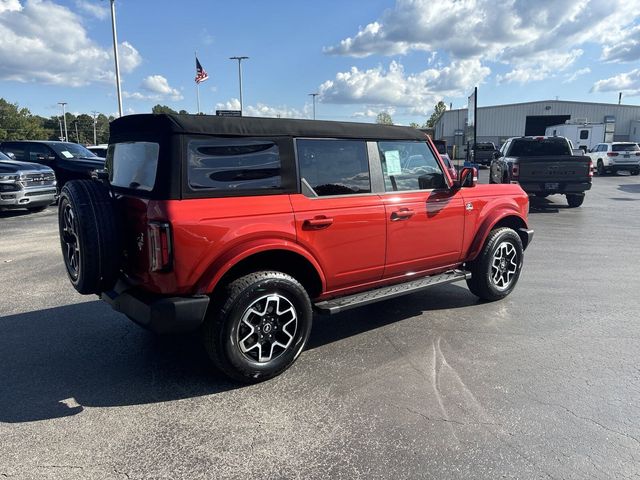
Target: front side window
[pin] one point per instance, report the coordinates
(133, 165)
(334, 167)
(409, 165)
(229, 165)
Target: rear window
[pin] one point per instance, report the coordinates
(538, 147)
(133, 165)
(230, 165)
(625, 147)
(485, 146)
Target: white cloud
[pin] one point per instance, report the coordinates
(159, 86)
(626, 49)
(628, 83)
(392, 87)
(44, 42)
(93, 8)
(10, 6)
(572, 77)
(512, 32)
(206, 38)
(539, 67)
(261, 110)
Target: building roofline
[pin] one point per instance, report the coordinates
(549, 101)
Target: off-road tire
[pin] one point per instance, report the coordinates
(87, 207)
(481, 282)
(221, 329)
(575, 199)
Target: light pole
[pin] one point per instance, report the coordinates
(314, 95)
(115, 54)
(64, 119)
(239, 59)
(95, 142)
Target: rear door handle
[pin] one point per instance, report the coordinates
(317, 223)
(404, 214)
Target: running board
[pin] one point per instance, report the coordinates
(337, 305)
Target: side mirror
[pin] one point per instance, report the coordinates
(497, 155)
(11, 155)
(468, 177)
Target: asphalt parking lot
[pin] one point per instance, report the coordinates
(544, 384)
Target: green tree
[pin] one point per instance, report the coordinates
(414, 125)
(384, 118)
(19, 124)
(183, 112)
(162, 109)
(438, 110)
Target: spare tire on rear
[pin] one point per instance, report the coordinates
(89, 235)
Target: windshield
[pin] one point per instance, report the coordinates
(72, 150)
(625, 147)
(539, 147)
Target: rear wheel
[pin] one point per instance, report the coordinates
(600, 168)
(89, 236)
(575, 199)
(258, 326)
(496, 270)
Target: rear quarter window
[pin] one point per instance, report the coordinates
(234, 165)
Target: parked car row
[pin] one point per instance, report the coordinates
(32, 173)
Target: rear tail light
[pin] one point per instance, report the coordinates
(612, 154)
(515, 171)
(591, 168)
(160, 246)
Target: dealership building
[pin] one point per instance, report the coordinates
(497, 123)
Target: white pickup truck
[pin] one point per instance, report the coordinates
(612, 157)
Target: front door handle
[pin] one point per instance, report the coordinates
(402, 214)
(317, 223)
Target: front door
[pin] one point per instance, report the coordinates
(424, 217)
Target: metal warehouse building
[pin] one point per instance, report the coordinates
(499, 122)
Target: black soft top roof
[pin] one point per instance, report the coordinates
(125, 128)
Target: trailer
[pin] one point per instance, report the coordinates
(582, 134)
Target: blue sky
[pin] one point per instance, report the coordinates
(363, 57)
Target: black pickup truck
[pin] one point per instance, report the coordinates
(543, 166)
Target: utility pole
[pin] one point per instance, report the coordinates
(77, 136)
(95, 142)
(115, 54)
(61, 134)
(64, 118)
(314, 95)
(239, 59)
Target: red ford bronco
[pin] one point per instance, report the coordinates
(242, 227)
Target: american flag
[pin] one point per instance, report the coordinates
(201, 74)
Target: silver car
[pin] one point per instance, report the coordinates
(26, 185)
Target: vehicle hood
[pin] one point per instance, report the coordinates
(8, 166)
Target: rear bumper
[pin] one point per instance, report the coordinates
(157, 313)
(563, 187)
(621, 166)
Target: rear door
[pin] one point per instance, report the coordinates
(424, 217)
(337, 216)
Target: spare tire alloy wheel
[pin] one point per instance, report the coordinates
(267, 328)
(69, 237)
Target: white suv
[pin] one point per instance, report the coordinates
(612, 157)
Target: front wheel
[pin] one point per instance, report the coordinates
(259, 326)
(496, 270)
(575, 199)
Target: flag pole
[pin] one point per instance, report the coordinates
(197, 85)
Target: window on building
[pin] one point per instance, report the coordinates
(584, 134)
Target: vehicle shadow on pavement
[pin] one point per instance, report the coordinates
(630, 188)
(13, 213)
(354, 322)
(57, 361)
(544, 205)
